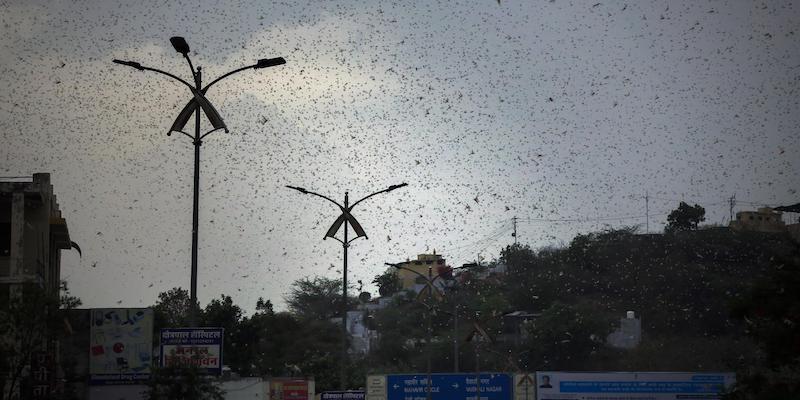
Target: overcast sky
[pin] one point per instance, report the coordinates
(540, 109)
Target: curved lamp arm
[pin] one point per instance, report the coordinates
(140, 67)
(304, 191)
(225, 76)
(389, 189)
(199, 99)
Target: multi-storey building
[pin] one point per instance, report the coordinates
(32, 235)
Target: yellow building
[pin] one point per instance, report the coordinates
(411, 281)
(763, 220)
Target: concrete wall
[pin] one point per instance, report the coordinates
(246, 389)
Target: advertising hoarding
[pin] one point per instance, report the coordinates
(201, 347)
(631, 385)
(120, 345)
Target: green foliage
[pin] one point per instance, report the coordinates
(222, 313)
(565, 337)
(264, 306)
(771, 312)
(182, 383)
(761, 383)
(299, 343)
(388, 283)
(318, 298)
(28, 322)
(685, 218)
(682, 286)
(401, 336)
(173, 308)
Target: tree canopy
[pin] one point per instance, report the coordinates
(711, 299)
(29, 323)
(685, 218)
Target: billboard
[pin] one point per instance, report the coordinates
(192, 346)
(493, 386)
(631, 385)
(120, 345)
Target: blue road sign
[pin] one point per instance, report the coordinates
(449, 387)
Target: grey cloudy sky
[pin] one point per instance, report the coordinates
(540, 109)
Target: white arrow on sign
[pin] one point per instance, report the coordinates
(396, 386)
(455, 385)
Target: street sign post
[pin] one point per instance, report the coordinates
(376, 387)
(493, 386)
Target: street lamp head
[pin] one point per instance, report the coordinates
(393, 187)
(180, 45)
(299, 189)
(130, 64)
(269, 62)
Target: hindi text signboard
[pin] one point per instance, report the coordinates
(493, 386)
(342, 395)
(631, 385)
(201, 347)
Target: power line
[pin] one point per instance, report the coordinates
(587, 219)
(482, 244)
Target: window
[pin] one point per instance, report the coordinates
(5, 229)
(5, 239)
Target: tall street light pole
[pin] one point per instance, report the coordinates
(429, 282)
(345, 219)
(194, 106)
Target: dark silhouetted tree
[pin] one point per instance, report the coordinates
(318, 298)
(172, 309)
(771, 312)
(222, 313)
(388, 283)
(685, 218)
(28, 323)
(182, 383)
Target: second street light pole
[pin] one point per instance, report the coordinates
(345, 219)
(345, 245)
(194, 106)
(430, 279)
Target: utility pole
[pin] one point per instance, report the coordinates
(455, 337)
(732, 203)
(647, 211)
(515, 229)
